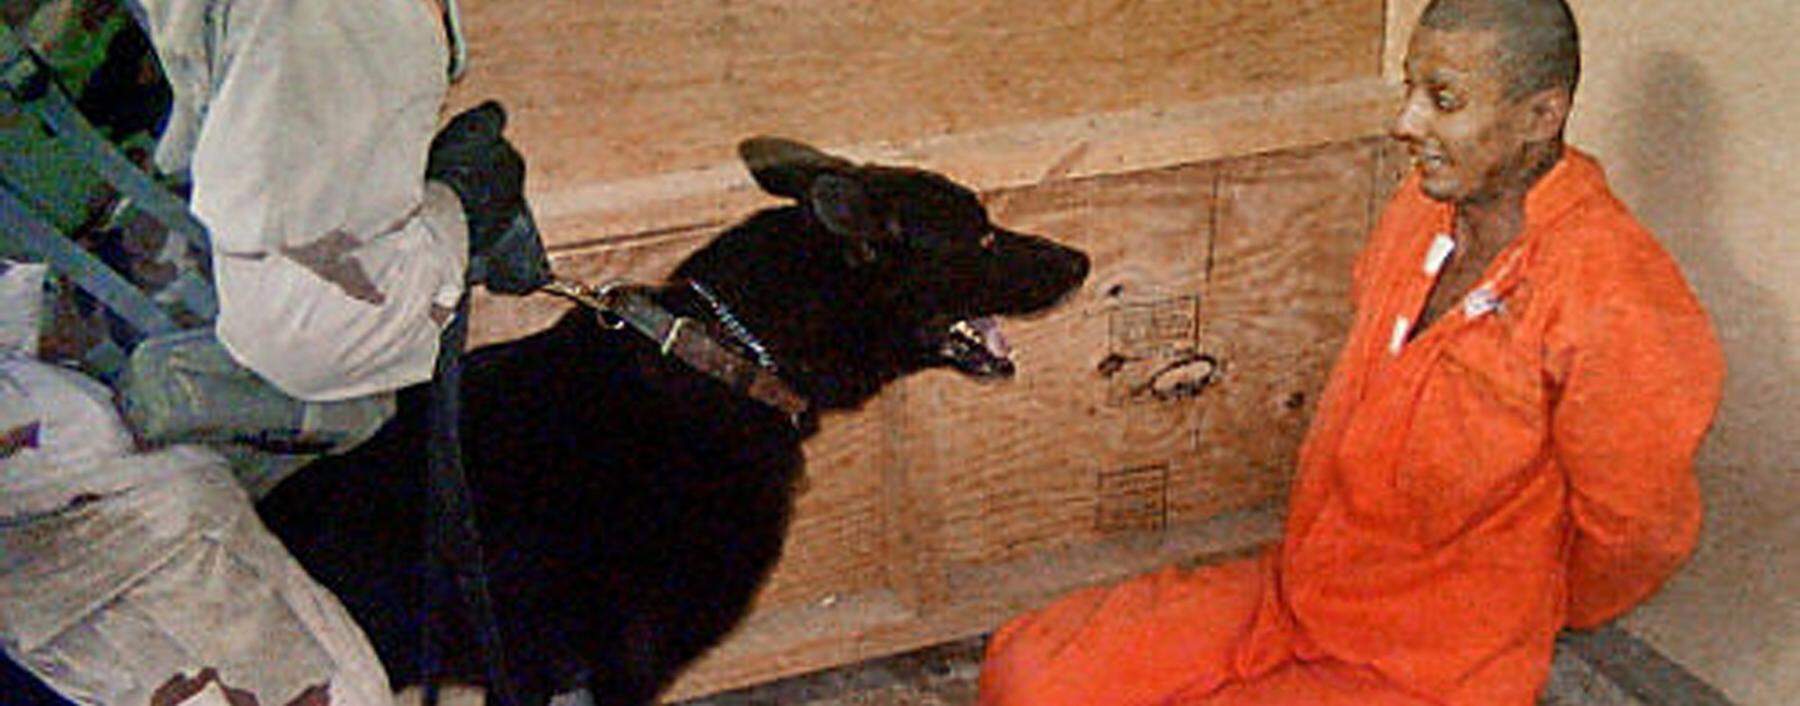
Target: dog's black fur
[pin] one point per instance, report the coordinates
(630, 506)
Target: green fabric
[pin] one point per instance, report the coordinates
(62, 181)
(66, 41)
(61, 188)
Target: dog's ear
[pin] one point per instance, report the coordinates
(843, 205)
(787, 168)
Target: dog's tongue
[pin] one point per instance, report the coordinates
(988, 328)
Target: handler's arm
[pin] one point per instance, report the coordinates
(314, 142)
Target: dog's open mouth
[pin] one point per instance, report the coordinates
(977, 348)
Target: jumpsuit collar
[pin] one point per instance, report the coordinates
(1573, 179)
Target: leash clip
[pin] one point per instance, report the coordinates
(603, 300)
(606, 304)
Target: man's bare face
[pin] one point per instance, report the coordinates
(1465, 136)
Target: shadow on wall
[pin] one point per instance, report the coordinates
(1721, 615)
(1672, 153)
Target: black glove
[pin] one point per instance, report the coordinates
(488, 175)
(472, 158)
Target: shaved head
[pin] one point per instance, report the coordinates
(1538, 48)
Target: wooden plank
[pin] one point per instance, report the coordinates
(1081, 446)
(603, 90)
(836, 545)
(910, 519)
(1392, 165)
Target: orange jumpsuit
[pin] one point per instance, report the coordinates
(1521, 465)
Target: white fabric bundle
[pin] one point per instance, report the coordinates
(77, 430)
(21, 306)
(121, 571)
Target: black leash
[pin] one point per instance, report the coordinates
(452, 542)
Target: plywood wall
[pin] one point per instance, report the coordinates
(628, 112)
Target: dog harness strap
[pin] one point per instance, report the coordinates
(686, 340)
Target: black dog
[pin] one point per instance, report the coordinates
(630, 505)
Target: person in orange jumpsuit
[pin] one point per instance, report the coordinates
(1503, 449)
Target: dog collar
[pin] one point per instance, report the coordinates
(618, 305)
(733, 326)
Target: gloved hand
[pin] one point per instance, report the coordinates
(487, 174)
(471, 156)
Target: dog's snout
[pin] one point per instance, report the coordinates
(1079, 265)
(1062, 268)
(1067, 265)
(1061, 260)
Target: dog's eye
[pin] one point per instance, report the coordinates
(988, 240)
